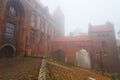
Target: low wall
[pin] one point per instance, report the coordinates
(44, 73)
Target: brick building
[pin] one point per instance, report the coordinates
(100, 45)
(27, 28)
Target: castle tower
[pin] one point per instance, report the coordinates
(104, 47)
(58, 16)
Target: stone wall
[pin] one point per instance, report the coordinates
(44, 73)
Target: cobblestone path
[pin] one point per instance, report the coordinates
(18, 68)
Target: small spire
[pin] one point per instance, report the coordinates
(109, 23)
(58, 10)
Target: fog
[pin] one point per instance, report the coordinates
(80, 13)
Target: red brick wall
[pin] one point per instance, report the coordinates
(94, 47)
(23, 36)
(110, 57)
(70, 48)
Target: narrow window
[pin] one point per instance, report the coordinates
(38, 22)
(48, 41)
(33, 20)
(9, 31)
(12, 10)
(103, 43)
(41, 38)
(32, 35)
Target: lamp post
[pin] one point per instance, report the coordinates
(101, 54)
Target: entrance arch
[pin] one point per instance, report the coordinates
(7, 51)
(82, 59)
(60, 55)
(13, 32)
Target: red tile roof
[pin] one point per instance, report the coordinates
(101, 28)
(70, 39)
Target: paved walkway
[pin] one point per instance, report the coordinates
(18, 68)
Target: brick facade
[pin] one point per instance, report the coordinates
(33, 28)
(100, 44)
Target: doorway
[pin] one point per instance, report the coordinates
(82, 59)
(6, 51)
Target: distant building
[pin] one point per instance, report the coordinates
(78, 34)
(58, 16)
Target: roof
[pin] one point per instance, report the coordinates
(101, 28)
(71, 39)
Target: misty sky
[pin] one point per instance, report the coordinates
(80, 13)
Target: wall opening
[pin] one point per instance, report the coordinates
(6, 51)
(60, 55)
(82, 59)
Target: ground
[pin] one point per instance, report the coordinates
(19, 68)
(60, 71)
(27, 68)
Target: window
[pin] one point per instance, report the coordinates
(9, 32)
(103, 43)
(48, 41)
(33, 20)
(12, 10)
(46, 27)
(41, 38)
(42, 25)
(38, 22)
(32, 35)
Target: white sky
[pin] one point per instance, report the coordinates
(79, 13)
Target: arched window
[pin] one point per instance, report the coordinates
(32, 35)
(41, 38)
(82, 59)
(38, 22)
(33, 20)
(12, 10)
